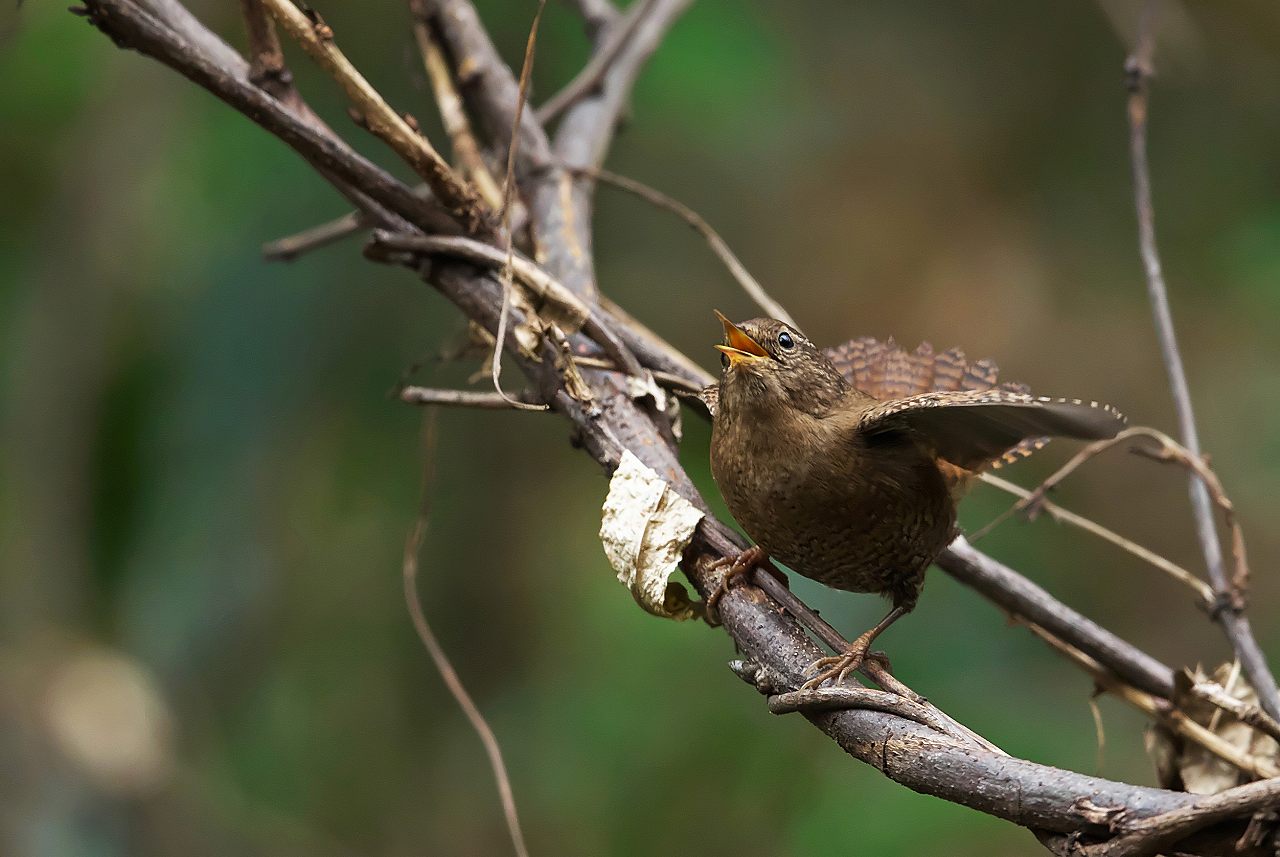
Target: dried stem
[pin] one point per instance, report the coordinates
(414, 395)
(292, 246)
(452, 113)
(1139, 70)
(412, 548)
(1250, 715)
(1169, 450)
(508, 194)
(570, 310)
(749, 284)
(1066, 516)
(1160, 710)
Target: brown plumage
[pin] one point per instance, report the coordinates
(846, 464)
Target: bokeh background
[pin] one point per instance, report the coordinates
(205, 488)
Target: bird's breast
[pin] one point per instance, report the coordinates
(822, 502)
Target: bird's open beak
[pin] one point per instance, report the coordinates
(741, 348)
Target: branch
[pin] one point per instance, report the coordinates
(1025, 600)
(1202, 590)
(613, 40)
(561, 207)
(317, 40)
(484, 400)
(465, 148)
(485, 81)
(1138, 73)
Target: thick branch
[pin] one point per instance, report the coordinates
(488, 85)
(561, 206)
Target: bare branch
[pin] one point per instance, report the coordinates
(292, 246)
(613, 40)
(1066, 516)
(1025, 600)
(562, 208)
(485, 81)
(131, 25)
(317, 40)
(414, 395)
(1138, 72)
(452, 114)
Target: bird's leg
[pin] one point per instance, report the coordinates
(838, 666)
(738, 566)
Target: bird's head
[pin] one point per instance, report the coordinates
(770, 364)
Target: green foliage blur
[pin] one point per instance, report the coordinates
(205, 487)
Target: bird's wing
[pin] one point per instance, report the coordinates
(973, 428)
(710, 397)
(884, 371)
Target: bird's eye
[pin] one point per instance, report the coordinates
(785, 340)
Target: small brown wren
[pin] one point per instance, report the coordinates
(845, 464)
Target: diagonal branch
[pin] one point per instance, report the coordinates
(1138, 71)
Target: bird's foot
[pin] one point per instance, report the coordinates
(838, 667)
(739, 565)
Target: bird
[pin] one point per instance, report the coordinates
(845, 464)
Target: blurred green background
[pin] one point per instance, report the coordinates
(205, 489)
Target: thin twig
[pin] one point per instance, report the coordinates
(1217, 695)
(569, 311)
(615, 37)
(412, 548)
(749, 284)
(508, 193)
(292, 246)
(1138, 72)
(452, 113)
(316, 39)
(665, 379)
(1066, 516)
(1168, 450)
(1160, 710)
(846, 698)
(415, 395)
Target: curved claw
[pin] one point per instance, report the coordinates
(740, 565)
(835, 667)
